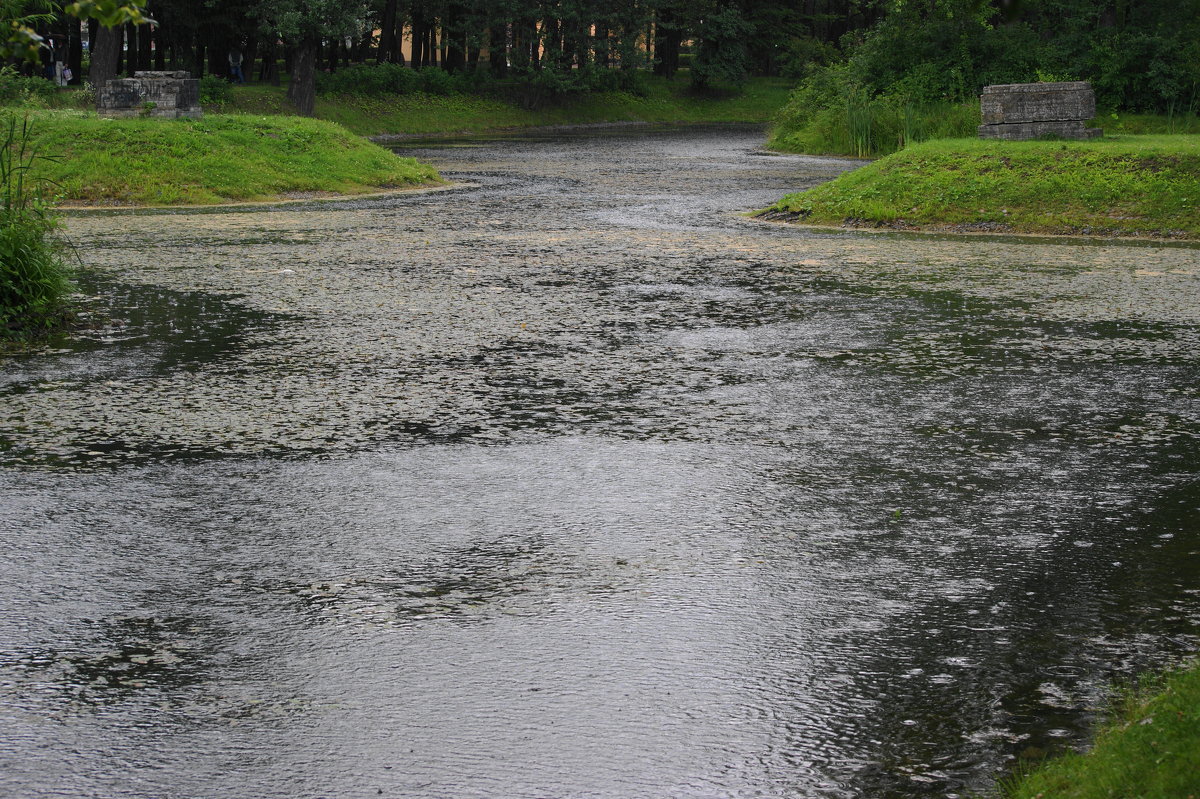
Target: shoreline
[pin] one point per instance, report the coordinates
(385, 139)
(984, 229)
(75, 209)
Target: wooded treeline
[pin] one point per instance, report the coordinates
(1138, 53)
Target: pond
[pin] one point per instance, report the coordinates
(572, 481)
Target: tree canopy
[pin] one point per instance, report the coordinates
(1139, 54)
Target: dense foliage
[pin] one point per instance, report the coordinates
(1139, 54)
(916, 73)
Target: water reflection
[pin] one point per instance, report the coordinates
(573, 483)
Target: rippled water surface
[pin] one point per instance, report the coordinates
(571, 482)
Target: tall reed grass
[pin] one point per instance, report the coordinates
(867, 127)
(34, 277)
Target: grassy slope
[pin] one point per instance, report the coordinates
(1150, 750)
(1117, 185)
(251, 148)
(217, 159)
(425, 114)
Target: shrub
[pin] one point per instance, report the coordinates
(34, 279)
(434, 80)
(802, 55)
(550, 85)
(214, 90)
(364, 80)
(377, 80)
(600, 79)
(17, 89)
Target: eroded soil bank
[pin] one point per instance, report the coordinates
(575, 483)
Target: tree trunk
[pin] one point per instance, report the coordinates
(418, 39)
(302, 91)
(218, 57)
(273, 65)
(145, 51)
(160, 51)
(552, 39)
(251, 55)
(93, 27)
(387, 34)
(497, 55)
(453, 55)
(398, 43)
(667, 40)
(75, 50)
(106, 53)
(601, 47)
(361, 49)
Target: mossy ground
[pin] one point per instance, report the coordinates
(220, 158)
(1150, 750)
(1120, 185)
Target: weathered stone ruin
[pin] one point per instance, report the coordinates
(1017, 111)
(154, 94)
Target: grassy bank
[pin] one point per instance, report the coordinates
(865, 128)
(1150, 750)
(1121, 185)
(664, 101)
(220, 158)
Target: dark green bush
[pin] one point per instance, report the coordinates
(365, 80)
(17, 89)
(376, 80)
(599, 79)
(215, 90)
(433, 80)
(538, 88)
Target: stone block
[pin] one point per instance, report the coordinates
(1037, 102)
(1019, 131)
(1019, 111)
(167, 95)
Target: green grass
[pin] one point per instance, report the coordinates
(1149, 750)
(220, 158)
(1120, 185)
(1143, 124)
(666, 101)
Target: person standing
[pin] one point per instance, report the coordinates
(235, 66)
